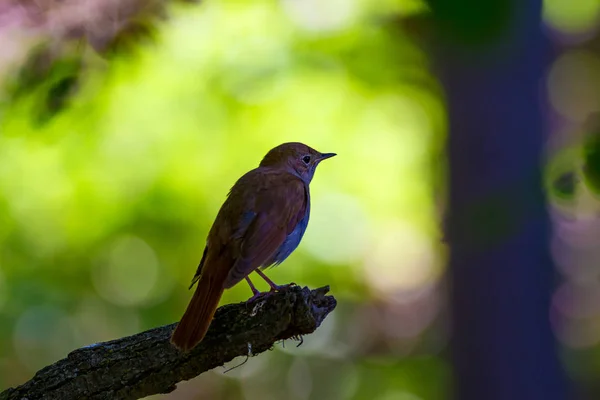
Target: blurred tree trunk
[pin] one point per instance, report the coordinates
(491, 57)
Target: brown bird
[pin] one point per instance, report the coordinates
(260, 224)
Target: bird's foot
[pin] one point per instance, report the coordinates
(274, 287)
(255, 292)
(257, 295)
(279, 288)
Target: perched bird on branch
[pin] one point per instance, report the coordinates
(260, 224)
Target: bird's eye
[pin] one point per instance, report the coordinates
(306, 159)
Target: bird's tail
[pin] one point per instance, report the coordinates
(200, 311)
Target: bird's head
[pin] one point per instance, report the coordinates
(297, 158)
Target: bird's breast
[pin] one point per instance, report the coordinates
(292, 240)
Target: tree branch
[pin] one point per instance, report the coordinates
(146, 363)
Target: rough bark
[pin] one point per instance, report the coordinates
(146, 363)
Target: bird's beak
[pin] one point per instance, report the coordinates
(325, 156)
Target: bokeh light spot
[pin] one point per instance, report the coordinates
(349, 381)
(403, 258)
(299, 379)
(577, 318)
(573, 82)
(98, 321)
(127, 273)
(399, 395)
(410, 313)
(258, 69)
(42, 335)
(572, 17)
(338, 230)
(321, 15)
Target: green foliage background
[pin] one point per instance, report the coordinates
(113, 168)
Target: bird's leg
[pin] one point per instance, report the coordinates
(255, 292)
(272, 284)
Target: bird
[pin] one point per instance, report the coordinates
(261, 222)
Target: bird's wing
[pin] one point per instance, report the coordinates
(280, 202)
(232, 236)
(199, 269)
